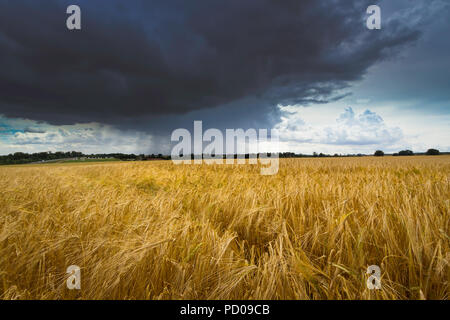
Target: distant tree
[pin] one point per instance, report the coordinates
(378, 153)
(432, 152)
(406, 153)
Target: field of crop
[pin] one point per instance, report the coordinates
(154, 230)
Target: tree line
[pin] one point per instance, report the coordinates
(430, 152)
(23, 158)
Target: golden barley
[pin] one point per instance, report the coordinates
(155, 230)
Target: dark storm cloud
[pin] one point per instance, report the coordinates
(138, 58)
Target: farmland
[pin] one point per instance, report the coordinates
(155, 230)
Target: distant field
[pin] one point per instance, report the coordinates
(61, 161)
(154, 230)
(88, 160)
(77, 161)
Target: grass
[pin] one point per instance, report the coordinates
(154, 230)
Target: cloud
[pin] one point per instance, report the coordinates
(366, 129)
(33, 130)
(159, 58)
(88, 138)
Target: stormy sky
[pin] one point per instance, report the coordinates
(139, 69)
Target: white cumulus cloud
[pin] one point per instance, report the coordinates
(358, 132)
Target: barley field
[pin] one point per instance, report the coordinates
(155, 230)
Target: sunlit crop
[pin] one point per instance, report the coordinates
(155, 230)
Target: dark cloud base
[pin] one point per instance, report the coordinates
(149, 60)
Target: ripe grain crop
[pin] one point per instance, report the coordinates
(155, 230)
